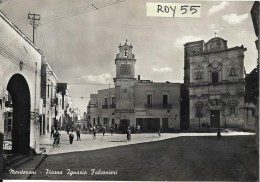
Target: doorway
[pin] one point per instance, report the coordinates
(124, 123)
(165, 124)
(20, 94)
(215, 118)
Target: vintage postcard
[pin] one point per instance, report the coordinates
(129, 90)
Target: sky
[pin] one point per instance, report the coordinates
(81, 42)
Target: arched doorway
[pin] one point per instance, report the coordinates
(20, 94)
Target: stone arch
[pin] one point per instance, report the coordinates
(19, 90)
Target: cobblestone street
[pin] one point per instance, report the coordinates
(186, 158)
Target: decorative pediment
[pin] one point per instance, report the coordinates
(215, 104)
(215, 66)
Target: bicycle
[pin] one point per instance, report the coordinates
(56, 143)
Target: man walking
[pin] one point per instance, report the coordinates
(94, 133)
(52, 131)
(78, 135)
(218, 134)
(104, 130)
(71, 137)
(111, 130)
(138, 128)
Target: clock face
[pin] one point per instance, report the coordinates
(125, 69)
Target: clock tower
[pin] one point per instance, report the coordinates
(124, 85)
(125, 63)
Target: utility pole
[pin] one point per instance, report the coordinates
(34, 21)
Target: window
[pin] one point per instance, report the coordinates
(215, 77)
(94, 121)
(165, 100)
(232, 110)
(198, 75)
(253, 112)
(113, 100)
(149, 99)
(106, 121)
(105, 101)
(218, 45)
(113, 122)
(233, 72)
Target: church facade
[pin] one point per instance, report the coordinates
(133, 101)
(214, 75)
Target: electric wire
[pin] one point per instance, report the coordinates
(78, 12)
(11, 56)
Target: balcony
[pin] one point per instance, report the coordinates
(105, 106)
(158, 106)
(112, 105)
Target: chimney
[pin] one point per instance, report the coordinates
(138, 77)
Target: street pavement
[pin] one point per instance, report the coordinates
(174, 158)
(87, 143)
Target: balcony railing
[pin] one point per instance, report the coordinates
(158, 106)
(108, 106)
(112, 105)
(104, 106)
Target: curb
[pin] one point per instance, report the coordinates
(44, 156)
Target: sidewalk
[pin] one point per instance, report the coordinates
(87, 143)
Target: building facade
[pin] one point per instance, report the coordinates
(214, 75)
(133, 101)
(20, 80)
(64, 108)
(49, 82)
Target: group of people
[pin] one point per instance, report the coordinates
(56, 135)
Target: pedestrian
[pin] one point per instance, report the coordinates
(78, 135)
(68, 130)
(218, 134)
(208, 125)
(104, 130)
(111, 130)
(56, 137)
(138, 128)
(52, 131)
(159, 132)
(71, 137)
(172, 128)
(94, 133)
(128, 134)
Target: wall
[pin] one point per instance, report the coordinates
(157, 90)
(13, 41)
(227, 92)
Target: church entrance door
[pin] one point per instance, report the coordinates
(214, 118)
